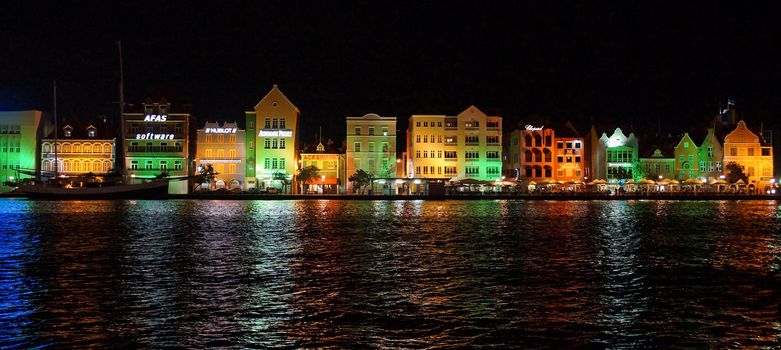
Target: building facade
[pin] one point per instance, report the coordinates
(686, 159)
(222, 147)
(80, 150)
(332, 171)
(467, 146)
(537, 152)
(371, 146)
(272, 141)
(20, 132)
(620, 155)
(569, 155)
(157, 141)
(711, 156)
(658, 165)
(744, 147)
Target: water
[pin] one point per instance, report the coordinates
(399, 274)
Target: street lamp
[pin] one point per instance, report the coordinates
(323, 186)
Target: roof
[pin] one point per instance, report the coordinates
(79, 131)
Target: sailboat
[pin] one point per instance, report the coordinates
(58, 188)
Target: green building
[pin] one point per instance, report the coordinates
(19, 146)
(157, 141)
(620, 156)
(686, 159)
(657, 166)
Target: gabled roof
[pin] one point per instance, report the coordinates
(275, 90)
(79, 131)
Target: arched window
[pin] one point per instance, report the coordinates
(537, 139)
(537, 171)
(528, 171)
(47, 164)
(528, 155)
(66, 148)
(87, 148)
(76, 148)
(548, 171)
(529, 140)
(548, 155)
(76, 166)
(106, 148)
(47, 147)
(106, 166)
(66, 166)
(537, 155)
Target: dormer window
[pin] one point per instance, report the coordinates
(91, 131)
(68, 130)
(320, 147)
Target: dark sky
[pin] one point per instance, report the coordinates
(607, 62)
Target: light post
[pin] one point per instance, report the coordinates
(323, 185)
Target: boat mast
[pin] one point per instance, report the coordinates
(56, 130)
(120, 144)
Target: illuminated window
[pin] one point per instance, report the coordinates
(417, 124)
(282, 163)
(148, 165)
(425, 154)
(417, 154)
(425, 138)
(133, 165)
(275, 143)
(357, 131)
(686, 144)
(231, 168)
(425, 124)
(281, 143)
(439, 154)
(357, 146)
(208, 153)
(384, 131)
(91, 131)
(371, 131)
(232, 138)
(417, 138)
(68, 130)
(577, 144)
(439, 139)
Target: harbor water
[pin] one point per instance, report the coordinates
(398, 274)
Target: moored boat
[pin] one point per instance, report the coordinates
(155, 189)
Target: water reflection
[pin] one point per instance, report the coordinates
(402, 274)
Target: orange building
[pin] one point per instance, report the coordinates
(744, 147)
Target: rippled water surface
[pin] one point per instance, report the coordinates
(401, 274)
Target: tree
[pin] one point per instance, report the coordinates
(637, 169)
(735, 172)
(361, 179)
(281, 177)
(307, 174)
(206, 175)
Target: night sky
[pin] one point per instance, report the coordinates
(611, 63)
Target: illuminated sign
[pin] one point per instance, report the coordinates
(155, 118)
(220, 160)
(533, 128)
(220, 130)
(275, 133)
(149, 136)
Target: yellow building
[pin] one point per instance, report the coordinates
(371, 146)
(222, 147)
(743, 147)
(80, 150)
(272, 149)
(466, 146)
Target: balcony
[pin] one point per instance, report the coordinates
(156, 149)
(451, 159)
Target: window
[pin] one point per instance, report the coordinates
(686, 144)
(177, 165)
(357, 131)
(357, 147)
(417, 124)
(267, 124)
(251, 124)
(274, 143)
(282, 123)
(549, 141)
(439, 124)
(384, 131)
(267, 163)
(450, 139)
(274, 123)
(385, 147)
(371, 131)
(560, 172)
(274, 163)
(577, 159)
(68, 131)
(148, 165)
(163, 165)
(231, 168)
(472, 170)
(281, 143)
(450, 154)
(560, 159)
(492, 125)
(682, 158)
(691, 158)
(425, 124)
(417, 138)
(425, 154)
(472, 155)
(492, 155)
(232, 138)
(733, 151)
(232, 153)
(577, 144)
(492, 140)
(282, 163)
(417, 154)
(439, 139)
(208, 153)
(569, 144)
(371, 146)
(472, 139)
(133, 165)
(91, 132)
(491, 170)
(266, 143)
(751, 151)
(439, 154)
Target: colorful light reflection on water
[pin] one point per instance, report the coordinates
(390, 273)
